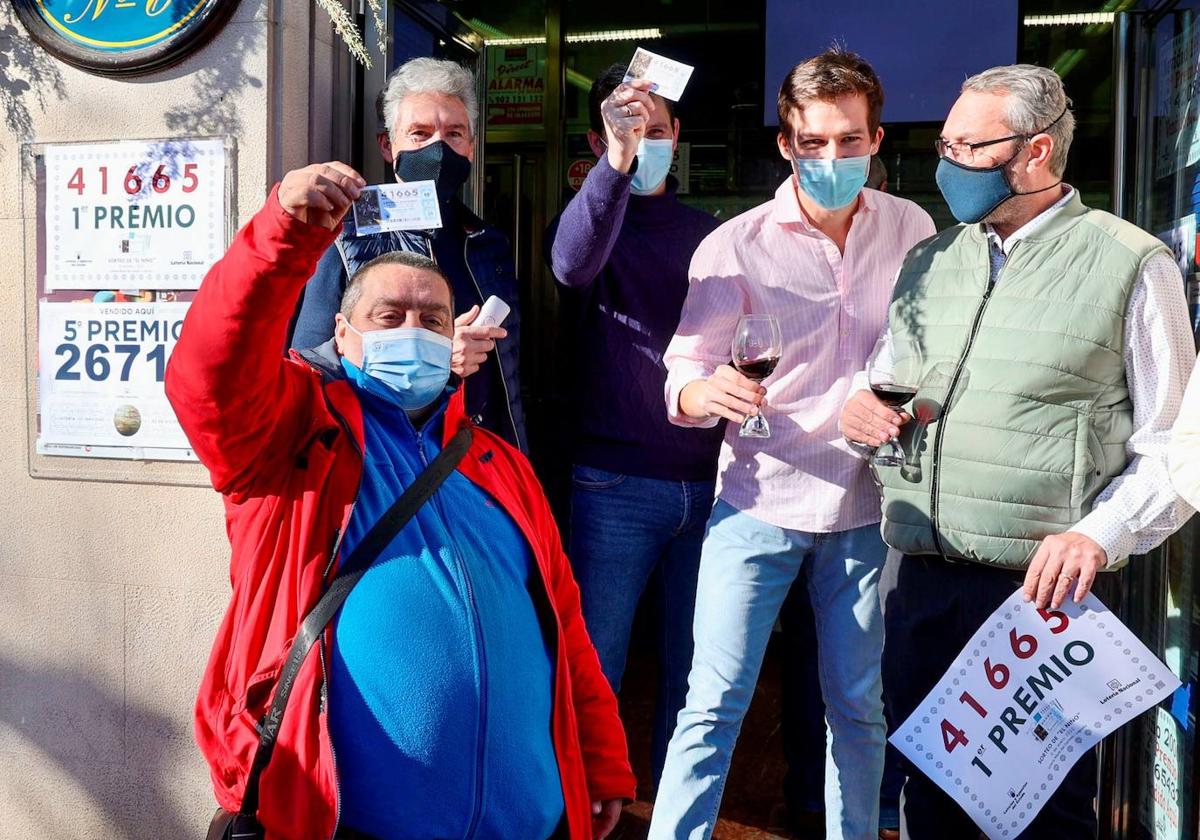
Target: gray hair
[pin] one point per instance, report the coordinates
(1036, 99)
(353, 293)
(430, 75)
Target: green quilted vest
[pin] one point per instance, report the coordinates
(1017, 448)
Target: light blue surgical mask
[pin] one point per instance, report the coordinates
(832, 184)
(410, 363)
(654, 165)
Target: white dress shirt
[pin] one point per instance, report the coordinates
(1139, 508)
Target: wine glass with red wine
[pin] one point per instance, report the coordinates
(940, 389)
(895, 376)
(757, 346)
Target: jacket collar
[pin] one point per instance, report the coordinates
(1059, 219)
(325, 360)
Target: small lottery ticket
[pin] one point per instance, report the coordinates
(671, 77)
(408, 206)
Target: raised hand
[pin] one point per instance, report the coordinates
(321, 193)
(626, 112)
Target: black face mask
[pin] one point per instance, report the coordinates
(435, 162)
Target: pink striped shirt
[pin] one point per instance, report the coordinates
(831, 309)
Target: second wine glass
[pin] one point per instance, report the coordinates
(757, 346)
(894, 377)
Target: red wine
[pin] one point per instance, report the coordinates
(758, 369)
(894, 395)
(927, 410)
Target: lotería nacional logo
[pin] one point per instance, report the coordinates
(123, 37)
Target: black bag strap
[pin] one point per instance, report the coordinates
(376, 540)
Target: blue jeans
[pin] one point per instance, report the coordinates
(802, 716)
(746, 569)
(628, 533)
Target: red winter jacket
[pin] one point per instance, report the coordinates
(276, 439)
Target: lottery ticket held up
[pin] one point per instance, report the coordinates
(670, 77)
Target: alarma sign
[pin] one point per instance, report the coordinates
(134, 215)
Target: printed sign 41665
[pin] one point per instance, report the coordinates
(135, 179)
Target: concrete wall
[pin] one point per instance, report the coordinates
(110, 592)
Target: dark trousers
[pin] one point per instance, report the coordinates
(802, 716)
(931, 609)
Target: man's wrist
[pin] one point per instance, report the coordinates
(619, 160)
(1114, 546)
(688, 400)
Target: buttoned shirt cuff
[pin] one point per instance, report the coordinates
(1111, 535)
(679, 376)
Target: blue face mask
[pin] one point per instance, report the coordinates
(832, 183)
(654, 164)
(974, 193)
(407, 365)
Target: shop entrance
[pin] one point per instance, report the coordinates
(1151, 771)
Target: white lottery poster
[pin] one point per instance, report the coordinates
(1029, 695)
(134, 214)
(100, 371)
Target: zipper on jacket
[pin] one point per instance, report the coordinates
(337, 779)
(480, 659)
(503, 379)
(935, 480)
(333, 555)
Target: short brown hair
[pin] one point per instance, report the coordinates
(835, 73)
(353, 291)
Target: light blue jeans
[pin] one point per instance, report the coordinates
(746, 568)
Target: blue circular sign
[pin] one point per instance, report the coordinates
(123, 37)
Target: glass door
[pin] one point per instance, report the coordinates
(1151, 765)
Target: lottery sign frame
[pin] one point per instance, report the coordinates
(133, 464)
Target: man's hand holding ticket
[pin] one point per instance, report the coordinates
(668, 77)
(411, 205)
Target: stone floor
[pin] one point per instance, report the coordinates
(636, 821)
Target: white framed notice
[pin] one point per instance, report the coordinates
(100, 380)
(141, 214)
(1030, 694)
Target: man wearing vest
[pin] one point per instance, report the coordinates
(1063, 339)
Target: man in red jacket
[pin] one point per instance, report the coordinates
(457, 683)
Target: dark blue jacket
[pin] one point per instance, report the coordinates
(493, 393)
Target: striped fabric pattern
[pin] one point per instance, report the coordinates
(831, 309)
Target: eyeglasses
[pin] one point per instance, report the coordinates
(965, 152)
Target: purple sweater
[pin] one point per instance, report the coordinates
(624, 262)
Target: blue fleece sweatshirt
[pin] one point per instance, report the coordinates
(440, 676)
